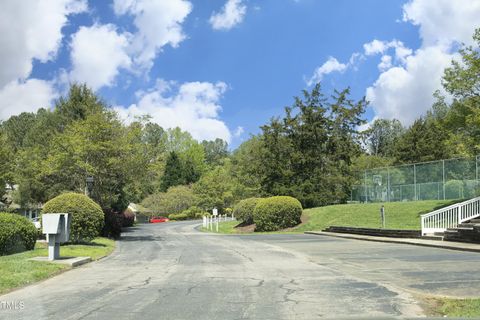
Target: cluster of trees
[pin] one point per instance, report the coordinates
(46, 153)
(310, 153)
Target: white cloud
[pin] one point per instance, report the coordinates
(380, 47)
(17, 97)
(442, 22)
(232, 13)
(385, 63)
(331, 65)
(375, 47)
(158, 23)
(194, 107)
(31, 29)
(404, 90)
(97, 54)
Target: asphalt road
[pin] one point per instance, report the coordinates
(172, 271)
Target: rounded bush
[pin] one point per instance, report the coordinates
(243, 210)
(17, 233)
(87, 216)
(277, 213)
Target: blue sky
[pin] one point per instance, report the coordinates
(222, 68)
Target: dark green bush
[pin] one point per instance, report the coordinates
(178, 216)
(194, 213)
(87, 216)
(277, 213)
(243, 210)
(17, 233)
(112, 228)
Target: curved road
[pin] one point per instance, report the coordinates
(172, 271)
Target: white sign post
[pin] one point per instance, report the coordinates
(215, 211)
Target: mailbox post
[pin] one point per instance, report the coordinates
(57, 228)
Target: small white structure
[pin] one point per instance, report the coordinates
(57, 228)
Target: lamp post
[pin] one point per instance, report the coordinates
(88, 190)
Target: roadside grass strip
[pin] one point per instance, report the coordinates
(17, 271)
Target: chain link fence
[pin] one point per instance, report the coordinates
(434, 180)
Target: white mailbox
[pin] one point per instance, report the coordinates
(57, 228)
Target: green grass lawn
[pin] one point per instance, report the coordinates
(399, 215)
(457, 308)
(17, 271)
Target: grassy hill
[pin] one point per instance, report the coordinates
(399, 215)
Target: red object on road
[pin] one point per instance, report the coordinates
(158, 220)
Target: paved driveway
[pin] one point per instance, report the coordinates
(172, 271)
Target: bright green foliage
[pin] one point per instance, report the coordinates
(462, 80)
(178, 216)
(246, 167)
(175, 200)
(17, 234)
(382, 136)
(277, 213)
(215, 189)
(87, 216)
(244, 209)
(195, 212)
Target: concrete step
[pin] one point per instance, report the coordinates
(438, 238)
(394, 233)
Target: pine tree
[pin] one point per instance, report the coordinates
(174, 172)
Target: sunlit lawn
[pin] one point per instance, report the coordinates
(16, 270)
(399, 215)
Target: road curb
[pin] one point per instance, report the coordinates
(458, 246)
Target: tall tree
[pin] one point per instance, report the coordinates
(308, 153)
(174, 172)
(215, 151)
(382, 136)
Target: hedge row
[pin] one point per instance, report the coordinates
(270, 214)
(17, 233)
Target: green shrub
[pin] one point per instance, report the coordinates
(277, 213)
(178, 216)
(87, 216)
(112, 227)
(243, 210)
(194, 212)
(17, 233)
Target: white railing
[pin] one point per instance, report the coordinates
(448, 217)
